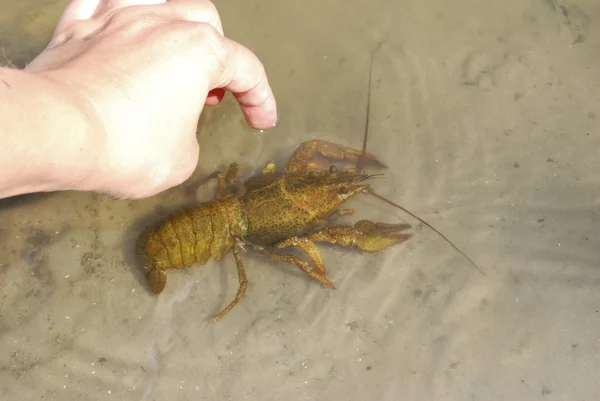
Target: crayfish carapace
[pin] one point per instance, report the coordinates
(277, 210)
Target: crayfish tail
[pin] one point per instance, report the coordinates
(157, 279)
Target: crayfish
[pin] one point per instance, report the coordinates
(275, 211)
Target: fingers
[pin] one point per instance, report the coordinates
(233, 68)
(239, 71)
(188, 10)
(215, 96)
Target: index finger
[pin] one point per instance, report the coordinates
(239, 71)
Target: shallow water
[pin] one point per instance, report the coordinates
(486, 114)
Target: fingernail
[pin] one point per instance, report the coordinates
(276, 123)
(272, 126)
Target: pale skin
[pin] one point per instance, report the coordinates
(112, 104)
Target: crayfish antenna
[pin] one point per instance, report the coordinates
(363, 160)
(369, 190)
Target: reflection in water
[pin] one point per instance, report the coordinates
(485, 114)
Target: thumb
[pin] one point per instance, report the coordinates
(77, 10)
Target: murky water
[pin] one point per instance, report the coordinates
(486, 114)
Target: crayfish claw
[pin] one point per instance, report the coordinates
(306, 153)
(365, 235)
(369, 227)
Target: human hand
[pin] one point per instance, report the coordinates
(142, 71)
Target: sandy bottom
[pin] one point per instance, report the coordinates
(486, 113)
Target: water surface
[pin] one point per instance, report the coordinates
(486, 114)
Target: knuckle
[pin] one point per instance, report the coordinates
(203, 36)
(211, 11)
(135, 18)
(193, 31)
(118, 15)
(199, 11)
(205, 32)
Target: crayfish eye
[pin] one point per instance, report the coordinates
(344, 191)
(332, 169)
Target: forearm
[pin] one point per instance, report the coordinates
(46, 143)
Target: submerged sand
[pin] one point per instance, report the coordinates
(486, 114)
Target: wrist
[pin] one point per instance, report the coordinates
(81, 164)
(53, 143)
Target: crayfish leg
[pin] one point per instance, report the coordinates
(293, 259)
(229, 179)
(243, 283)
(270, 167)
(309, 247)
(304, 157)
(365, 235)
(343, 212)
